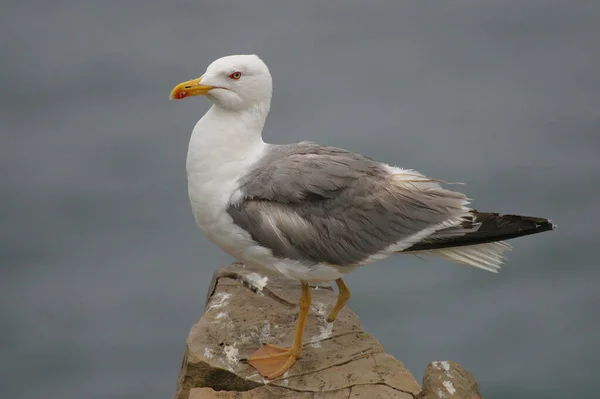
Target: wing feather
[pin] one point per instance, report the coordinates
(319, 204)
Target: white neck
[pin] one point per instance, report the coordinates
(224, 144)
(222, 136)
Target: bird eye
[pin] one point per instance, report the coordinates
(235, 75)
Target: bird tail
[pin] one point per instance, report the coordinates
(479, 241)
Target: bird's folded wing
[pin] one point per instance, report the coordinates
(326, 205)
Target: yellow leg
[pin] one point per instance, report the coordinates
(342, 299)
(272, 361)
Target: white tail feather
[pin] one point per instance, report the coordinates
(484, 256)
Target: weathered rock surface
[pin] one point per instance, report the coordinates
(246, 309)
(448, 380)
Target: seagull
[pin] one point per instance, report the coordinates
(314, 213)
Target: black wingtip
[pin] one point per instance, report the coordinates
(492, 227)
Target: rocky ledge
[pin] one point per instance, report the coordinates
(245, 309)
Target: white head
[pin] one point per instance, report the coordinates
(235, 82)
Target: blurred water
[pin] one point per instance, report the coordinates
(103, 270)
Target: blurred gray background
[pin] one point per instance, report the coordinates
(103, 271)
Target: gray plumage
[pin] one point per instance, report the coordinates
(318, 204)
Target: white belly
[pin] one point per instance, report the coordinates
(213, 179)
(209, 200)
(213, 219)
(214, 166)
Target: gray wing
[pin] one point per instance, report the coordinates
(326, 205)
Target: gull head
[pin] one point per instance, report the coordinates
(235, 82)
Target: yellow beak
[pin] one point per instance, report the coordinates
(190, 88)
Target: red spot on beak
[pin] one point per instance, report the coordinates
(181, 94)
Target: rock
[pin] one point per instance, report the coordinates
(448, 380)
(246, 308)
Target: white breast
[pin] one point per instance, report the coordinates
(222, 150)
